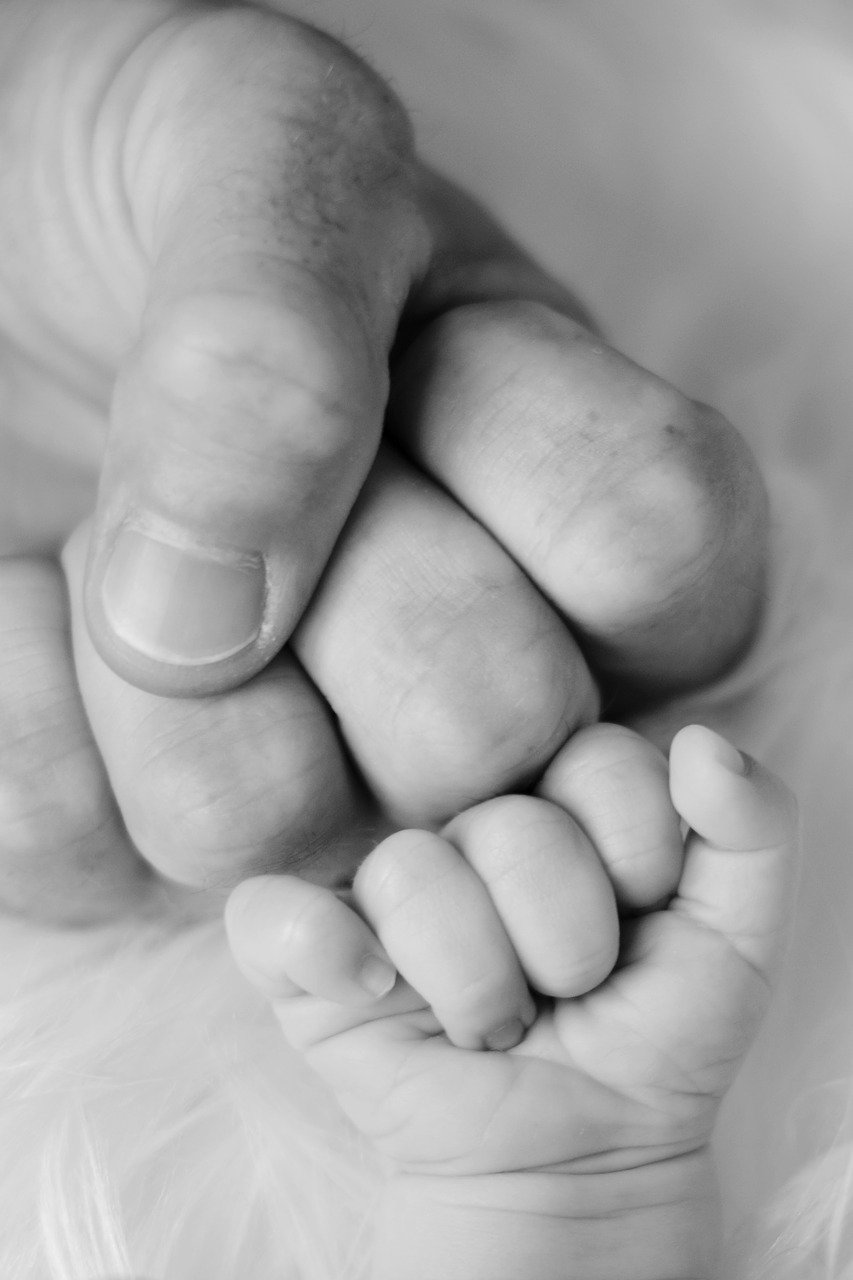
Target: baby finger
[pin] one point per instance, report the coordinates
(437, 921)
(616, 785)
(289, 936)
(548, 887)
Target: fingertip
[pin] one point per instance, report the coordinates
(290, 937)
(698, 746)
(86, 559)
(242, 427)
(508, 1036)
(241, 900)
(247, 926)
(725, 795)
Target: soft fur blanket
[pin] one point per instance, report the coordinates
(689, 168)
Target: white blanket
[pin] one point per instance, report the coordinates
(689, 168)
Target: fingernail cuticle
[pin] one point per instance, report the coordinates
(506, 1036)
(182, 605)
(377, 976)
(729, 757)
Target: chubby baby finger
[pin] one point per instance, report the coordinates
(289, 936)
(549, 888)
(436, 920)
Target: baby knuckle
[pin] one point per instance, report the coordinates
(501, 838)
(345, 98)
(399, 872)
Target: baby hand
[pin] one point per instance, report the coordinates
(605, 1101)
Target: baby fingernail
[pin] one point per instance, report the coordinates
(377, 976)
(182, 605)
(507, 1036)
(727, 755)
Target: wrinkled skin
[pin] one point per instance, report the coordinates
(237, 313)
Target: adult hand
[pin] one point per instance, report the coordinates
(218, 232)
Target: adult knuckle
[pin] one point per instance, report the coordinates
(692, 487)
(526, 701)
(255, 50)
(217, 361)
(53, 789)
(493, 341)
(495, 724)
(673, 524)
(653, 517)
(357, 99)
(49, 802)
(187, 830)
(345, 96)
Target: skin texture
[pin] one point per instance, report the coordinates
(238, 317)
(582, 1148)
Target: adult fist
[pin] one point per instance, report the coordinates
(222, 252)
(216, 231)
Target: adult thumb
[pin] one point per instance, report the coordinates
(281, 243)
